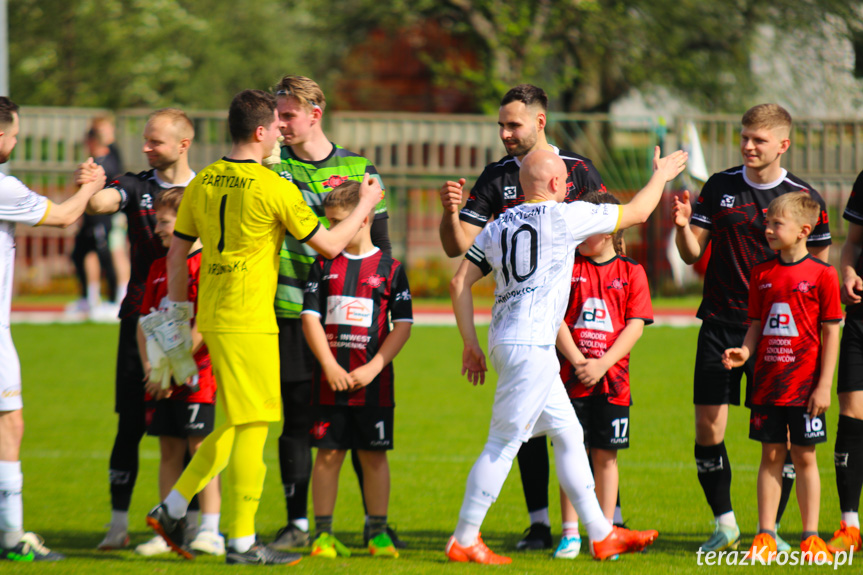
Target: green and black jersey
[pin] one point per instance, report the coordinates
(315, 180)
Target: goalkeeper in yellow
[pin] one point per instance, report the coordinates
(240, 211)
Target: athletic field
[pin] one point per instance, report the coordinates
(441, 426)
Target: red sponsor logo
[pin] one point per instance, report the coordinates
(374, 281)
(334, 181)
(319, 429)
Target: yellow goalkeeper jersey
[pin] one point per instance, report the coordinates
(240, 210)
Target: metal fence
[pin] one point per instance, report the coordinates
(415, 153)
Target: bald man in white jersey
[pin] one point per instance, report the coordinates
(531, 248)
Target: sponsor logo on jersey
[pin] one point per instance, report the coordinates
(330, 277)
(147, 201)
(345, 310)
(334, 181)
(726, 201)
(319, 429)
(594, 315)
(617, 283)
(509, 192)
(311, 287)
(374, 280)
(287, 175)
(10, 392)
(579, 279)
(768, 285)
(780, 321)
(803, 287)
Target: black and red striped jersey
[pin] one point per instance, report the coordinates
(854, 214)
(137, 194)
(498, 189)
(791, 300)
(355, 298)
(733, 209)
(604, 296)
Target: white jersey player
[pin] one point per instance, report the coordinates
(531, 248)
(20, 205)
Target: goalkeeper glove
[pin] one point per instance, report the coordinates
(160, 370)
(182, 313)
(168, 334)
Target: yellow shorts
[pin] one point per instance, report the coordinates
(246, 368)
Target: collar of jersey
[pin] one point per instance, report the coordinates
(165, 185)
(330, 155)
(768, 185)
(361, 256)
(233, 161)
(553, 147)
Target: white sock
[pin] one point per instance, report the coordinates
(121, 293)
(540, 516)
(93, 294)
(570, 529)
(210, 522)
(120, 519)
(303, 524)
(176, 504)
(242, 544)
(573, 473)
(851, 519)
(11, 504)
(484, 483)
(727, 519)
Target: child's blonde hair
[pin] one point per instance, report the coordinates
(797, 205)
(595, 197)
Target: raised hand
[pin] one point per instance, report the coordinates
(681, 210)
(671, 165)
(451, 195)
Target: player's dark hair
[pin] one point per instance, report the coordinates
(8, 109)
(169, 198)
(250, 109)
(345, 196)
(529, 94)
(596, 197)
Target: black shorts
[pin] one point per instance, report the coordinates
(129, 381)
(713, 384)
(296, 360)
(851, 356)
(606, 425)
(345, 427)
(773, 424)
(181, 419)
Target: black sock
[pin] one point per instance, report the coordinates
(377, 525)
(848, 459)
(788, 476)
(297, 498)
(323, 524)
(533, 465)
(123, 469)
(714, 474)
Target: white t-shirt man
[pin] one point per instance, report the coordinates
(18, 204)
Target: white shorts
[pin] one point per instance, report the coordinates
(10, 374)
(530, 399)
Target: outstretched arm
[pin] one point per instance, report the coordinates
(330, 242)
(91, 178)
(645, 201)
(473, 358)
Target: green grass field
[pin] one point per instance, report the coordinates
(441, 426)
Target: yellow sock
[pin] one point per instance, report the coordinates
(246, 471)
(209, 461)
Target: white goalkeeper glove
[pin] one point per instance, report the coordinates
(160, 369)
(182, 313)
(168, 334)
(275, 156)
